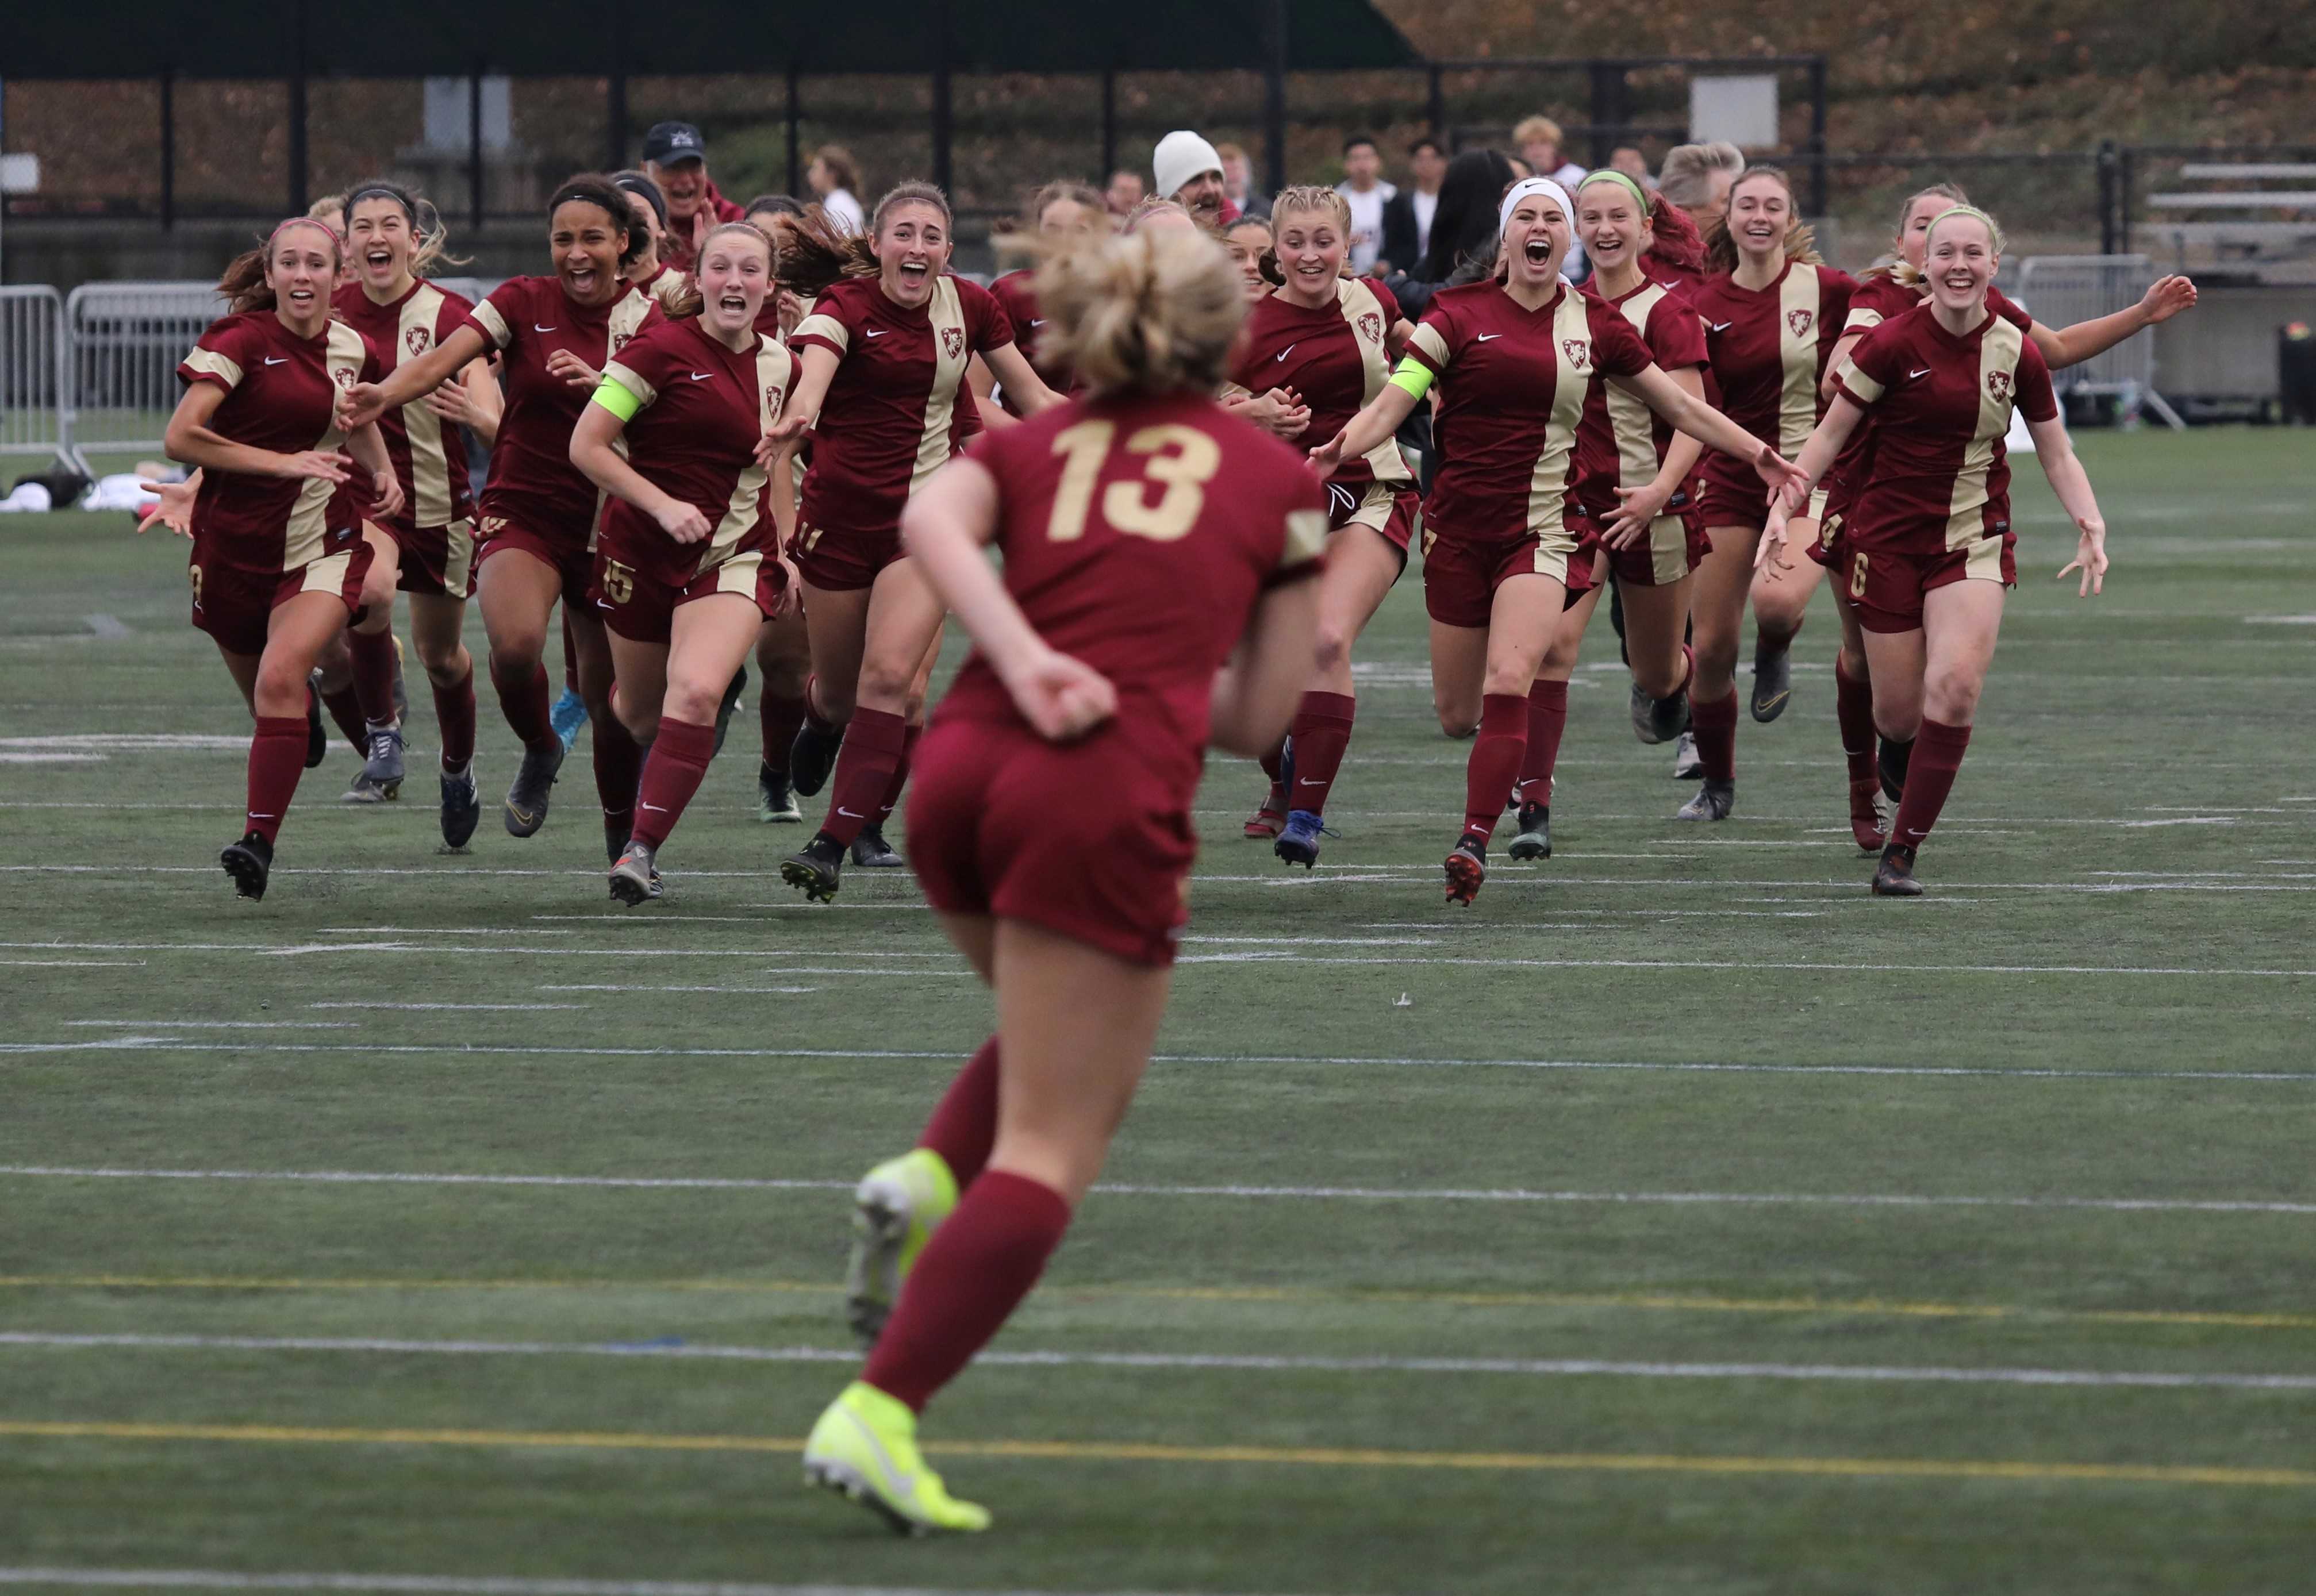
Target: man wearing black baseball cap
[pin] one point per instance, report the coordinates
(676, 158)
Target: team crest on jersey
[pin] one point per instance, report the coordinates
(417, 339)
(772, 400)
(1371, 327)
(953, 343)
(619, 341)
(1579, 352)
(1800, 321)
(1997, 382)
(343, 376)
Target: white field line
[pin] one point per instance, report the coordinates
(72, 963)
(175, 1044)
(1503, 1194)
(1259, 1362)
(1246, 956)
(458, 1007)
(435, 1584)
(219, 1025)
(783, 991)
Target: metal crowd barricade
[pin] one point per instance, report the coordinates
(2058, 290)
(35, 372)
(127, 339)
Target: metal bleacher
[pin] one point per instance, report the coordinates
(2250, 225)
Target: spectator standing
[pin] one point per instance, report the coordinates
(1628, 159)
(1238, 182)
(1123, 194)
(1364, 191)
(675, 158)
(1189, 173)
(835, 179)
(1539, 141)
(1407, 215)
(1696, 177)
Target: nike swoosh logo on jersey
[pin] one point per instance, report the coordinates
(874, 331)
(1720, 326)
(1486, 336)
(537, 328)
(1285, 352)
(701, 375)
(277, 359)
(1037, 321)
(1910, 375)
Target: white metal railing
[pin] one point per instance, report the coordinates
(127, 340)
(2058, 290)
(35, 372)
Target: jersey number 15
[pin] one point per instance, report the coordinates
(1180, 459)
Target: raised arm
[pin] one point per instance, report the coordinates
(1691, 414)
(1379, 420)
(2072, 345)
(366, 402)
(816, 367)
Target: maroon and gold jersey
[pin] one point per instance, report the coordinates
(1637, 436)
(281, 394)
(534, 486)
(1017, 293)
(1768, 348)
(705, 407)
(1334, 358)
(1138, 535)
(1941, 406)
(429, 456)
(898, 407)
(1514, 385)
(1882, 298)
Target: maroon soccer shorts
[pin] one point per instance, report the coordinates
(1886, 586)
(1461, 576)
(1674, 547)
(1392, 511)
(641, 607)
(233, 604)
(843, 561)
(436, 559)
(1089, 840)
(574, 564)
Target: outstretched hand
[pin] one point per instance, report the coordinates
(2091, 557)
(173, 506)
(2167, 297)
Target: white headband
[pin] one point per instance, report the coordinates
(1528, 188)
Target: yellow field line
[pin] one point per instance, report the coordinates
(1084, 1451)
(1639, 1302)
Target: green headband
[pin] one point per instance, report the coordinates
(1610, 174)
(1993, 230)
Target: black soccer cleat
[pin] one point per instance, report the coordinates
(1714, 800)
(1890, 763)
(635, 879)
(462, 807)
(1894, 876)
(812, 756)
(1535, 838)
(525, 800)
(817, 869)
(776, 805)
(731, 691)
(870, 851)
(317, 736)
(1773, 680)
(1467, 868)
(249, 862)
(1659, 719)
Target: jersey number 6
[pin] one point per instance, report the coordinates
(1183, 473)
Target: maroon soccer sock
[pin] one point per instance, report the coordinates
(347, 714)
(1322, 730)
(1495, 761)
(1716, 725)
(1938, 756)
(812, 716)
(277, 759)
(779, 716)
(522, 699)
(1547, 718)
(969, 1279)
(1853, 708)
(373, 659)
(673, 772)
(872, 754)
(963, 1126)
(618, 766)
(570, 656)
(900, 773)
(454, 712)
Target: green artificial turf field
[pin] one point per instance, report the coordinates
(1679, 1218)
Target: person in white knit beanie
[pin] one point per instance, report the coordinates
(1190, 174)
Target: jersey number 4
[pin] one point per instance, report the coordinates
(1181, 460)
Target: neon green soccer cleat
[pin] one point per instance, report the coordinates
(898, 1206)
(865, 1447)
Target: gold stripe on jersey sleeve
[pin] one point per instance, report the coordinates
(222, 366)
(1434, 348)
(623, 374)
(626, 316)
(1631, 421)
(1547, 491)
(1999, 351)
(493, 325)
(667, 287)
(1797, 333)
(1306, 538)
(946, 314)
(825, 327)
(1363, 313)
(1864, 388)
(1863, 319)
(430, 462)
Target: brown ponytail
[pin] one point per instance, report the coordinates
(243, 286)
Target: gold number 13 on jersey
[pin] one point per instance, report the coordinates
(1180, 459)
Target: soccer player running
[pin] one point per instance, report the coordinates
(1637, 484)
(1519, 357)
(881, 386)
(279, 557)
(1327, 337)
(688, 564)
(429, 548)
(1150, 603)
(1882, 293)
(1772, 311)
(1928, 527)
(538, 510)
(783, 646)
